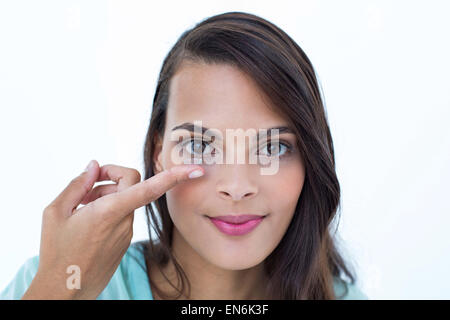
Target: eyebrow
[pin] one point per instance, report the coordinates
(192, 127)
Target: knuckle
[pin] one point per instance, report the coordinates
(50, 207)
(50, 210)
(131, 177)
(136, 176)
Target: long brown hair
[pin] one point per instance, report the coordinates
(306, 261)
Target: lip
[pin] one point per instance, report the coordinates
(236, 225)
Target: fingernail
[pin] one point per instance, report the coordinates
(89, 166)
(195, 174)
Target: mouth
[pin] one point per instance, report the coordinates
(236, 225)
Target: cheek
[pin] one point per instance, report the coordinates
(289, 187)
(181, 199)
(184, 199)
(283, 191)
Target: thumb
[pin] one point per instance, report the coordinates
(76, 190)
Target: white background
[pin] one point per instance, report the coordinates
(77, 80)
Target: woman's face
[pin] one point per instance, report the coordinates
(222, 97)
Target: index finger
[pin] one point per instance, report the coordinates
(138, 195)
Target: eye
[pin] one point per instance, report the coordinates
(279, 149)
(197, 146)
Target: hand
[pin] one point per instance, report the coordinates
(96, 236)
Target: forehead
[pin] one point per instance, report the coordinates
(219, 95)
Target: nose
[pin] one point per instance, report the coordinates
(236, 183)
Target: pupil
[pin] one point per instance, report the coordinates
(198, 145)
(270, 145)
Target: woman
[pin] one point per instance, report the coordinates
(230, 232)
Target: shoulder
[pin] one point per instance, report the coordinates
(130, 280)
(17, 287)
(347, 291)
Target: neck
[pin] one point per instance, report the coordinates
(208, 281)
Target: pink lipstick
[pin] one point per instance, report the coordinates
(236, 225)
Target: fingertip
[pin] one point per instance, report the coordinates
(185, 172)
(196, 173)
(91, 173)
(90, 165)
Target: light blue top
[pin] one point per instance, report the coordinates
(129, 282)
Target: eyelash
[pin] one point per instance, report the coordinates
(281, 142)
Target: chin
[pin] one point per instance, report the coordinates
(235, 263)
